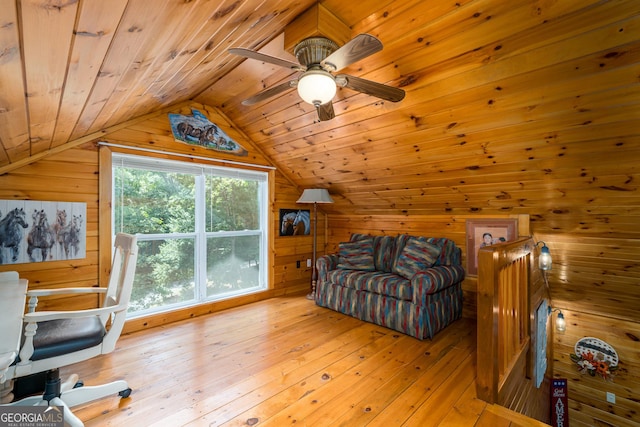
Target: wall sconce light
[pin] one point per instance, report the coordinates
(561, 324)
(544, 260)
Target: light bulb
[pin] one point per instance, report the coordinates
(316, 87)
(544, 261)
(561, 325)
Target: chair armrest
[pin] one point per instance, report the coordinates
(324, 264)
(63, 291)
(35, 293)
(434, 280)
(42, 316)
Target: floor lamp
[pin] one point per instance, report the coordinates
(315, 196)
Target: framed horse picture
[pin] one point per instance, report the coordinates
(295, 222)
(37, 231)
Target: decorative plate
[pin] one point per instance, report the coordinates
(598, 349)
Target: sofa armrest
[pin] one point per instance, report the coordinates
(324, 264)
(434, 280)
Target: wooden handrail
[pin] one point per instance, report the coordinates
(504, 311)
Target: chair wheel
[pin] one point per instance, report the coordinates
(125, 393)
(78, 384)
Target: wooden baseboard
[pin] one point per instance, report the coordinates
(160, 319)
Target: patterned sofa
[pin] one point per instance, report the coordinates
(407, 283)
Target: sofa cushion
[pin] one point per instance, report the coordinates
(449, 254)
(356, 255)
(346, 278)
(360, 236)
(417, 255)
(373, 281)
(383, 249)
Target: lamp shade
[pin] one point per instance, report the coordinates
(544, 261)
(561, 324)
(315, 195)
(316, 87)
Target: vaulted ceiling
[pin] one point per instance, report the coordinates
(521, 106)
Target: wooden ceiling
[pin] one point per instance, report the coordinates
(512, 107)
(71, 68)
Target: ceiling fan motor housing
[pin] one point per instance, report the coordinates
(313, 50)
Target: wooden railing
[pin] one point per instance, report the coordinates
(505, 294)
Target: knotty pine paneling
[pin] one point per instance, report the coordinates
(289, 250)
(587, 395)
(70, 176)
(513, 108)
(74, 175)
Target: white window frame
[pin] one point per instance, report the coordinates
(200, 236)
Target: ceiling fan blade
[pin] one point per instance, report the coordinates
(369, 87)
(252, 54)
(325, 111)
(272, 91)
(354, 50)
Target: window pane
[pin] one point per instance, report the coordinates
(231, 204)
(200, 230)
(232, 264)
(164, 274)
(150, 202)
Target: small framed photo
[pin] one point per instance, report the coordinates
(295, 222)
(487, 232)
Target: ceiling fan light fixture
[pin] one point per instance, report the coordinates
(316, 87)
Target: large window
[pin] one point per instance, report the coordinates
(202, 230)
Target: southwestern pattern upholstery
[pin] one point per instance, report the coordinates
(414, 286)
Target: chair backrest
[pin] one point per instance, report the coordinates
(13, 293)
(123, 269)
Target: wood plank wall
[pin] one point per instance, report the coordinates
(588, 404)
(73, 175)
(70, 176)
(291, 250)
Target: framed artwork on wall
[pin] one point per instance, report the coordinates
(38, 231)
(295, 222)
(487, 232)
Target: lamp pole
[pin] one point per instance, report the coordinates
(314, 271)
(315, 196)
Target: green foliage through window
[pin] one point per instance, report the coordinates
(190, 251)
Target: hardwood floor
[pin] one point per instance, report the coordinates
(287, 361)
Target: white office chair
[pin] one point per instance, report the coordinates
(53, 339)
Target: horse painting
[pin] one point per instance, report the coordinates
(199, 130)
(68, 236)
(295, 223)
(40, 237)
(301, 223)
(59, 227)
(55, 232)
(11, 233)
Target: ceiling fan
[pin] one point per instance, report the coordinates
(318, 59)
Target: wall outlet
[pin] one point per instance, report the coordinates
(308, 262)
(611, 398)
(298, 264)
